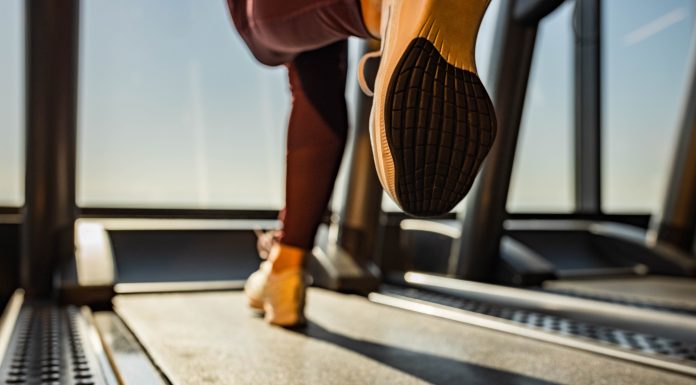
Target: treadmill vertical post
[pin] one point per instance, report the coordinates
(51, 115)
(344, 259)
(588, 104)
(676, 224)
(475, 254)
(363, 198)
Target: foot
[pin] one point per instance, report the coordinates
(278, 293)
(432, 120)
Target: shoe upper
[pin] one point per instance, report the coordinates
(256, 283)
(279, 294)
(284, 297)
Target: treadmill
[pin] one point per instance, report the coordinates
(154, 296)
(633, 260)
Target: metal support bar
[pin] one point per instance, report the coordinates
(588, 104)
(51, 111)
(676, 225)
(475, 254)
(531, 11)
(505, 326)
(344, 260)
(665, 324)
(363, 199)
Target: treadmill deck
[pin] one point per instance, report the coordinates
(212, 338)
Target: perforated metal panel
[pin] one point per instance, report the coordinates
(622, 339)
(47, 348)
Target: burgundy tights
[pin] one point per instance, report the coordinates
(316, 138)
(309, 37)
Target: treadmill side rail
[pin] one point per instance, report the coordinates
(670, 325)
(8, 321)
(129, 360)
(500, 325)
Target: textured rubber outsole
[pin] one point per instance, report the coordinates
(440, 125)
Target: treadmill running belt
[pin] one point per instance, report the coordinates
(211, 338)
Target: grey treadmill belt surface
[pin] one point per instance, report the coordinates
(211, 338)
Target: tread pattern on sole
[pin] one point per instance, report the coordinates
(440, 125)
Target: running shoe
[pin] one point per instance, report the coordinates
(432, 121)
(280, 295)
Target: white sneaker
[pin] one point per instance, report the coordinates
(432, 121)
(255, 285)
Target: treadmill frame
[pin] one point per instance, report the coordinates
(476, 254)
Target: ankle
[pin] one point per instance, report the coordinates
(285, 257)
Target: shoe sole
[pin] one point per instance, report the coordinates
(438, 122)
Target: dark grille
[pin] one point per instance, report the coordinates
(47, 348)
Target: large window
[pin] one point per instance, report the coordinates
(542, 178)
(174, 112)
(11, 103)
(646, 48)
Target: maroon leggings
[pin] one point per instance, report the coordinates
(309, 37)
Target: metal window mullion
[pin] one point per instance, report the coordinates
(51, 119)
(588, 105)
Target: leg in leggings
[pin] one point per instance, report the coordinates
(446, 123)
(276, 31)
(316, 137)
(309, 37)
